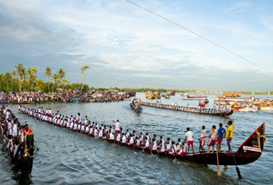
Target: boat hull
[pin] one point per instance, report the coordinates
(224, 158)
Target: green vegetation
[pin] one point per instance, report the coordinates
(22, 79)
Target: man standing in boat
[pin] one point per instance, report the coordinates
(202, 139)
(220, 136)
(229, 134)
(212, 138)
(117, 126)
(189, 139)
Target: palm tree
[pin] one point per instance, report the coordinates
(83, 70)
(6, 77)
(61, 73)
(55, 78)
(21, 73)
(31, 77)
(22, 77)
(48, 74)
(64, 82)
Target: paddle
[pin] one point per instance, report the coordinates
(237, 169)
(218, 166)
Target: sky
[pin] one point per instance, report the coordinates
(127, 46)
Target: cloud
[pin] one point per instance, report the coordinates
(239, 7)
(152, 76)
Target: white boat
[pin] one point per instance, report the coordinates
(248, 109)
(267, 108)
(181, 94)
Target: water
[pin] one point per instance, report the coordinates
(66, 157)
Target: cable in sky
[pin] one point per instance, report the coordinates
(200, 36)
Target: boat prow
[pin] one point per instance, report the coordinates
(248, 152)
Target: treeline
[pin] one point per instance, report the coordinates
(22, 79)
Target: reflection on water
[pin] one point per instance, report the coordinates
(66, 157)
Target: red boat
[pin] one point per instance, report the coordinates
(238, 107)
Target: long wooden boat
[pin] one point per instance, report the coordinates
(192, 99)
(206, 111)
(249, 151)
(197, 96)
(23, 159)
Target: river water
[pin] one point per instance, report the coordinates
(66, 157)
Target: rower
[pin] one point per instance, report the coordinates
(141, 138)
(137, 143)
(118, 138)
(124, 139)
(173, 149)
(183, 149)
(161, 147)
(100, 132)
(96, 133)
(153, 146)
(168, 144)
(83, 127)
(131, 141)
(87, 128)
(127, 134)
(111, 136)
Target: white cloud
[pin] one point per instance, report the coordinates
(153, 76)
(238, 7)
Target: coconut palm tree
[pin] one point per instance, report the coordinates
(31, 77)
(48, 74)
(20, 70)
(64, 82)
(55, 77)
(22, 77)
(83, 70)
(6, 77)
(61, 73)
